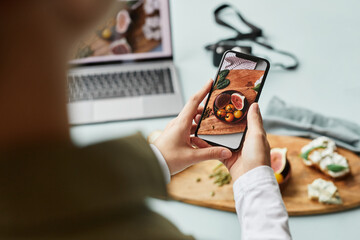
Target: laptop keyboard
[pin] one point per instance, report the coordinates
(119, 84)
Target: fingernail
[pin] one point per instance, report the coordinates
(225, 154)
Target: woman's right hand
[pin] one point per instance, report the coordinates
(256, 149)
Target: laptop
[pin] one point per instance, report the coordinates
(124, 69)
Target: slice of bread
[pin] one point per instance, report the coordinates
(321, 154)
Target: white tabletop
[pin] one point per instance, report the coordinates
(326, 38)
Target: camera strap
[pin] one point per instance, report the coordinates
(254, 36)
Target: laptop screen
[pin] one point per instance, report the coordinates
(134, 30)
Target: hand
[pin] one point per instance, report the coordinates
(256, 149)
(176, 144)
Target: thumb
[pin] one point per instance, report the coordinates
(220, 153)
(254, 119)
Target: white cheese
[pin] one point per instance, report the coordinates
(315, 156)
(334, 159)
(324, 191)
(325, 142)
(323, 155)
(307, 162)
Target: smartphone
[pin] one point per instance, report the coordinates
(238, 83)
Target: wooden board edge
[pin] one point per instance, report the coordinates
(206, 204)
(203, 204)
(335, 209)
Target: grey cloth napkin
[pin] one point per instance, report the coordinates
(284, 119)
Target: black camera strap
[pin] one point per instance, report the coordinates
(254, 36)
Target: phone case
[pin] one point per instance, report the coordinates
(238, 83)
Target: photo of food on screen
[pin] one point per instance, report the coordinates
(235, 89)
(132, 27)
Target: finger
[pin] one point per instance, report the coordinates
(254, 119)
(200, 109)
(197, 119)
(191, 106)
(209, 153)
(199, 142)
(205, 99)
(193, 128)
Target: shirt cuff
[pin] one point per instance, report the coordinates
(260, 208)
(163, 165)
(252, 179)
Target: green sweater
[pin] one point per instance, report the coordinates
(95, 192)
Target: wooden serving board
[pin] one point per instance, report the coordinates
(184, 185)
(214, 126)
(135, 34)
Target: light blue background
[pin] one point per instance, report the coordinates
(325, 35)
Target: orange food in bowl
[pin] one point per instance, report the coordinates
(238, 114)
(221, 113)
(229, 117)
(229, 108)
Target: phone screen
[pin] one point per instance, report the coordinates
(237, 85)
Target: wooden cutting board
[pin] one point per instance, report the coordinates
(184, 186)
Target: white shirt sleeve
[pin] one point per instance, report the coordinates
(163, 165)
(259, 206)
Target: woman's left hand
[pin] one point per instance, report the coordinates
(176, 143)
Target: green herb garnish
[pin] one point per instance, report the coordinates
(84, 52)
(221, 177)
(305, 155)
(223, 84)
(335, 168)
(257, 87)
(218, 166)
(224, 73)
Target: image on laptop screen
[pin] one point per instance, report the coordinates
(134, 30)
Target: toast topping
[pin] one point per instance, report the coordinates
(324, 191)
(321, 153)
